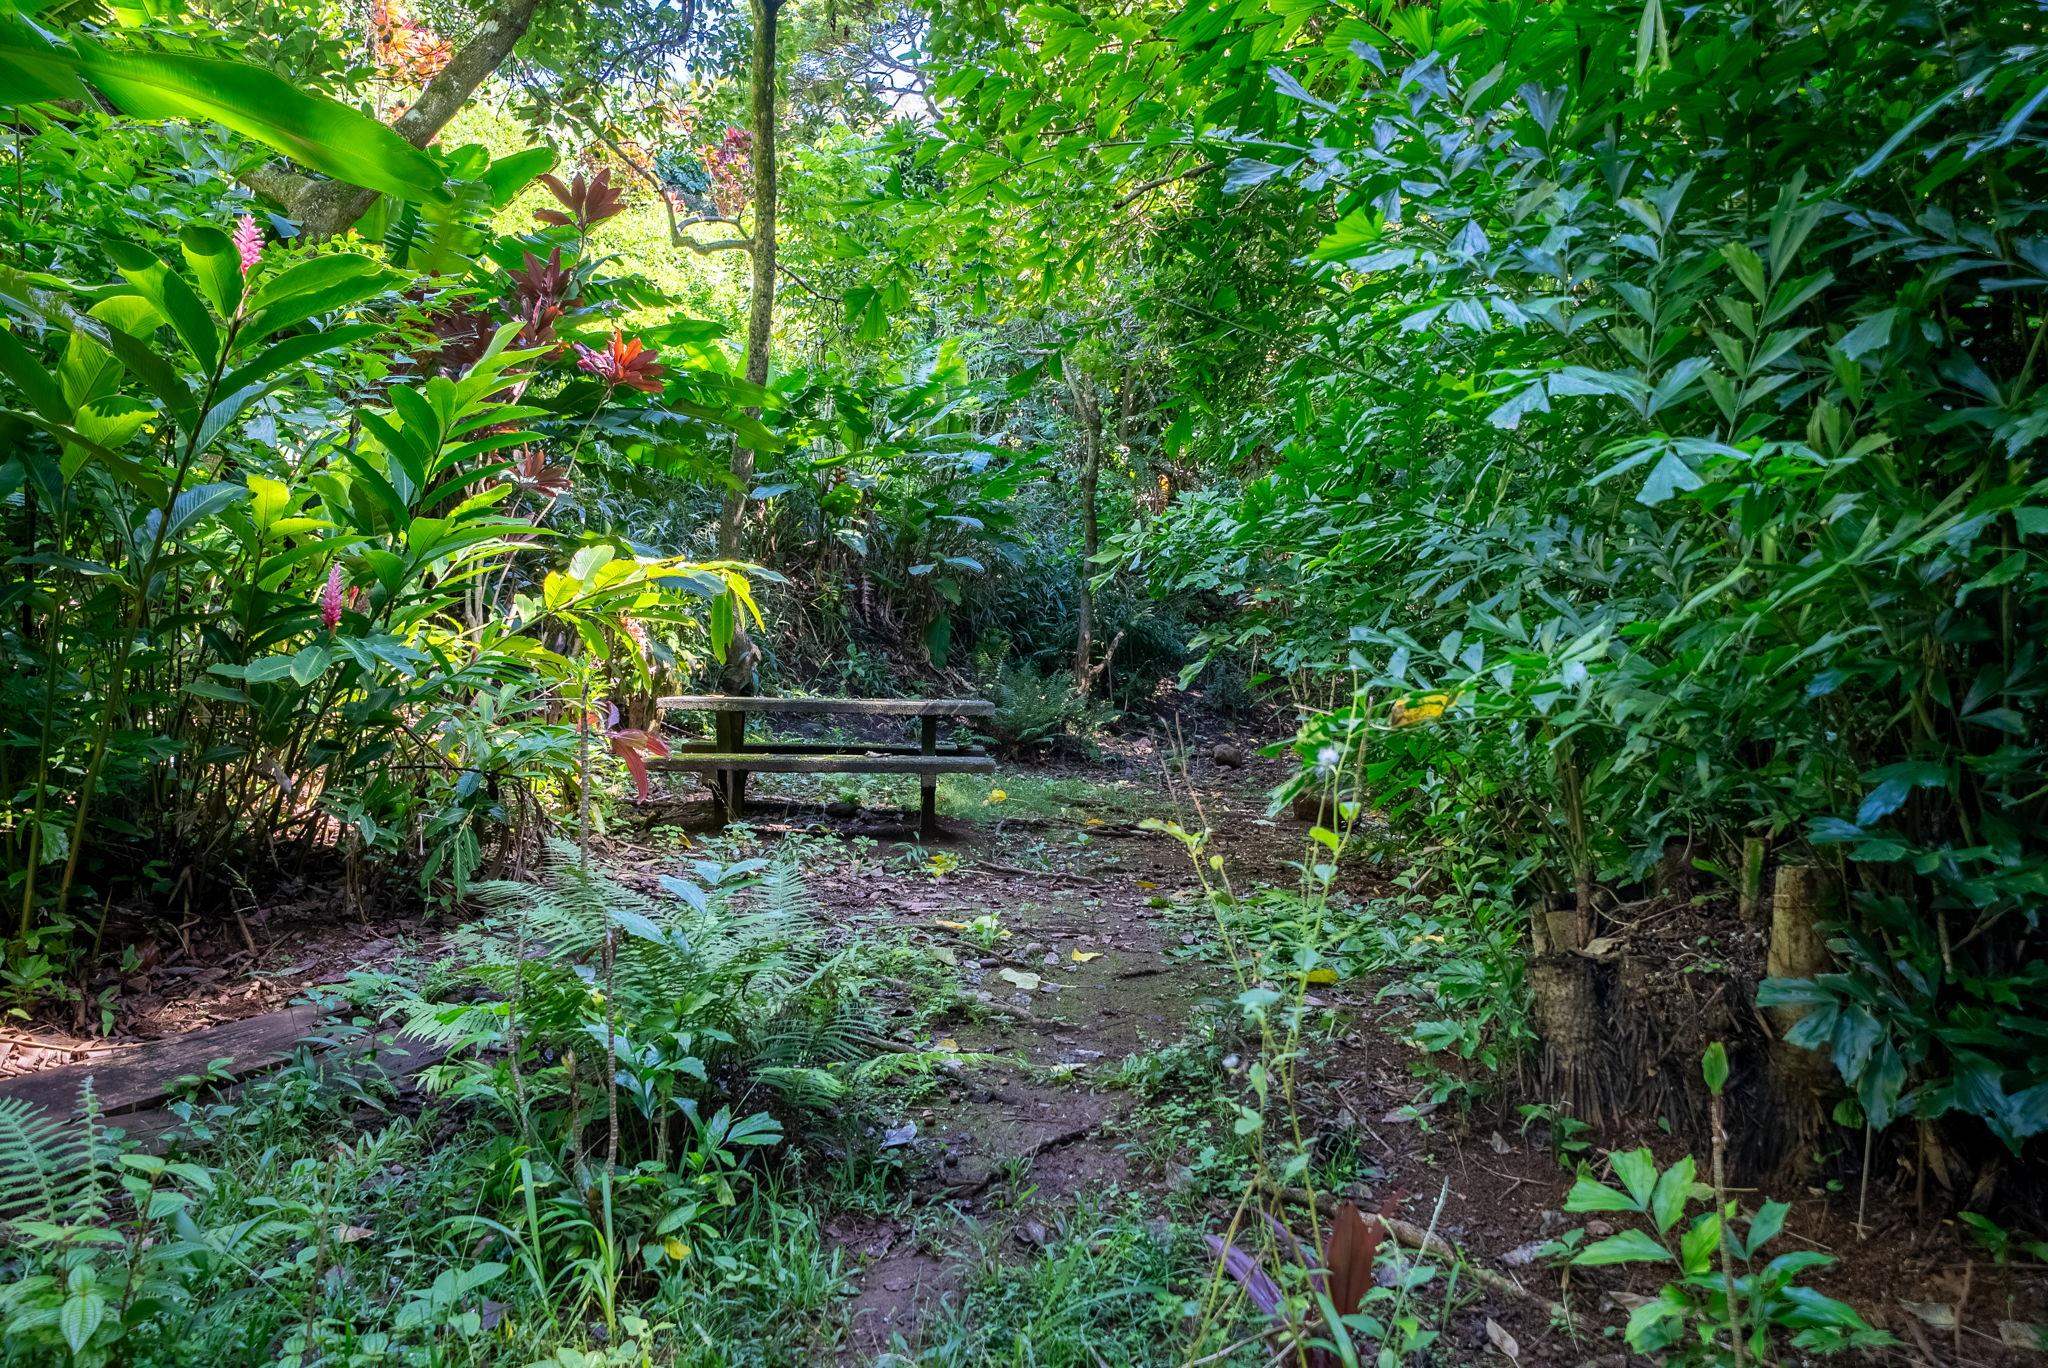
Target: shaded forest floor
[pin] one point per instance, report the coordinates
(1044, 1197)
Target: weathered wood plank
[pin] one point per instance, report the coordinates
(852, 707)
(141, 1077)
(763, 763)
(818, 748)
(135, 1087)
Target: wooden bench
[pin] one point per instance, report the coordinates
(729, 757)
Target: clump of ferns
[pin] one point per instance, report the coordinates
(91, 1230)
(719, 991)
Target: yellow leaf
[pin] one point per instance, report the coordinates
(1427, 708)
(949, 1044)
(1083, 956)
(1091, 821)
(951, 926)
(1322, 976)
(675, 1249)
(1147, 883)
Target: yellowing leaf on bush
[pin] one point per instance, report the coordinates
(675, 1249)
(1428, 708)
(1083, 956)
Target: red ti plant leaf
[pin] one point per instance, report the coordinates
(1258, 1284)
(1346, 1274)
(538, 281)
(633, 746)
(589, 202)
(1349, 1257)
(532, 470)
(630, 364)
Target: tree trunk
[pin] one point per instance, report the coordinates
(1088, 425)
(760, 309)
(324, 208)
(1804, 896)
(1751, 892)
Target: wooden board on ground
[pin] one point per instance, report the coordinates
(133, 1085)
(133, 1079)
(845, 707)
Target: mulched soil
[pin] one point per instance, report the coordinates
(299, 935)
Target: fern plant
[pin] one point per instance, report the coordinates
(101, 1239)
(721, 992)
(52, 1170)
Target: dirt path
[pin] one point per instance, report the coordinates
(1097, 963)
(1088, 940)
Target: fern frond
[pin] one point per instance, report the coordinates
(51, 1168)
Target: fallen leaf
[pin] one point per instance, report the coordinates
(1940, 1315)
(1083, 956)
(1147, 883)
(1322, 976)
(352, 1234)
(1503, 1341)
(1022, 978)
(949, 1044)
(897, 1136)
(951, 926)
(2022, 1335)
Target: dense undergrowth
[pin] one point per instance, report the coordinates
(1614, 432)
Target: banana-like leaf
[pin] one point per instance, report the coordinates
(314, 131)
(507, 176)
(34, 65)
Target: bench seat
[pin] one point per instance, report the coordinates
(773, 762)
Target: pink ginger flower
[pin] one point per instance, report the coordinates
(249, 242)
(330, 599)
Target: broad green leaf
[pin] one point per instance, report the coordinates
(35, 65)
(1764, 1227)
(1637, 1170)
(1714, 1067)
(216, 266)
(318, 133)
(1630, 1246)
(80, 1318)
(1589, 1195)
(1674, 1188)
(173, 297)
(1696, 1248)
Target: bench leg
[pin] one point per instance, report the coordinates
(928, 784)
(729, 787)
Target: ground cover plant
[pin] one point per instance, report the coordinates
(1501, 541)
